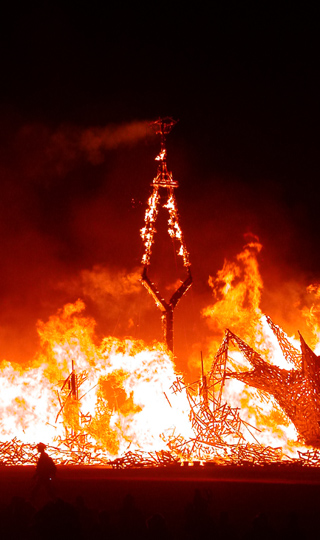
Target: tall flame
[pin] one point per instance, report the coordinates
(237, 290)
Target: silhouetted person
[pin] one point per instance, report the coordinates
(131, 524)
(85, 518)
(225, 528)
(293, 529)
(198, 520)
(260, 529)
(157, 528)
(57, 520)
(45, 474)
(17, 519)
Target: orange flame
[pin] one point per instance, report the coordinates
(123, 397)
(237, 293)
(124, 393)
(237, 290)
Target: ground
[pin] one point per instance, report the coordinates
(241, 499)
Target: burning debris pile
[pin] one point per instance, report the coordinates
(76, 451)
(112, 407)
(195, 423)
(123, 405)
(218, 433)
(218, 428)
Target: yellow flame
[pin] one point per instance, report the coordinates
(174, 229)
(237, 291)
(124, 393)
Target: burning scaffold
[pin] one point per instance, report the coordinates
(219, 430)
(164, 181)
(297, 391)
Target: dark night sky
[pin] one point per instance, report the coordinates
(244, 85)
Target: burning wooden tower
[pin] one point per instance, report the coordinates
(164, 182)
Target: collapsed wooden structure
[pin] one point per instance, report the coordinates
(15, 452)
(219, 432)
(296, 390)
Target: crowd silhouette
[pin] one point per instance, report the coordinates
(45, 514)
(59, 519)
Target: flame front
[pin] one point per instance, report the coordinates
(123, 402)
(117, 396)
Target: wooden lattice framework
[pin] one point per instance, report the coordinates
(296, 390)
(218, 428)
(164, 182)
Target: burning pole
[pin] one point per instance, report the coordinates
(204, 385)
(164, 181)
(69, 401)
